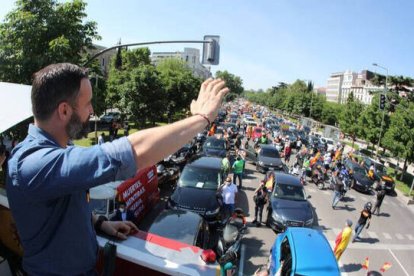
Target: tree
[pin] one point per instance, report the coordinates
(234, 83)
(399, 138)
(330, 113)
(350, 116)
(135, 88)
(38, 33)
(180, 85)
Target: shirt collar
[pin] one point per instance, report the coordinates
(39, 134)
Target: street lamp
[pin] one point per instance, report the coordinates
(383, 111)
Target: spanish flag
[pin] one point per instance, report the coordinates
(365, 265)
(269, 183)
(385, 267)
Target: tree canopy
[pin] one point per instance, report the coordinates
(38, 33)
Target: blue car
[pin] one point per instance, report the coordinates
(302, 251)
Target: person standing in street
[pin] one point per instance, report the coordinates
(338, 189)
(49, 178)
(364, 219)
(228, 192)
(260, 200)
(238, 167)
(225, 165)
(378, 202)
(342, 240)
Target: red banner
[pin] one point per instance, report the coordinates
(141, 192)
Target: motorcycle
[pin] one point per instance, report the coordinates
(168, 172)
(229, 243)
(319, 176)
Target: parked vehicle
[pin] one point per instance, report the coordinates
(319, 175)
(183, 226)
(257, 133)
(197, 188)
(110, 117)
(168, 172)
(361, 182)
(288, 204)
(215, 147)
(304, 251)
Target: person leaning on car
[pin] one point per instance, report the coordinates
(49, 178)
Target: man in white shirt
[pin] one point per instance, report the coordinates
(228, 192)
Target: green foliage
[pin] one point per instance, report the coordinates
(135, 88)
(180, 86)
(349, 118)
(234, 83)
(38, 33)
(370, 122)
(399, 138)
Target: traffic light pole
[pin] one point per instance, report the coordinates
(383, 111)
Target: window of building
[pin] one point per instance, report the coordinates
(186, 58)
(194, 59)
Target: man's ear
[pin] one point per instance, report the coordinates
(64, 111)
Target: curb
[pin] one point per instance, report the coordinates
(405, 199)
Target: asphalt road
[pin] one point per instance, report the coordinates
(390, 237)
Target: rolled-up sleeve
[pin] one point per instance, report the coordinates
(121, 151)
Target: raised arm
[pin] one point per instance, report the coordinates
(151, 145)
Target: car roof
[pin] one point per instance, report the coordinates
(178, 225)
(305, 242)
(205, 162)
(263, 146)
(288, 179)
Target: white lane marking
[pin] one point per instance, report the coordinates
(410, 237)
(402, 267)
(311, 191)
(326, 192)
(341, 267)
(372, 235)
(387, 236)
(241, 262)
(399, 236)
(377, 246)
(364, 198)
(385, 203)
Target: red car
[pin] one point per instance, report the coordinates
(257, 132)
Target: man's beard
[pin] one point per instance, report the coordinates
(75, 128)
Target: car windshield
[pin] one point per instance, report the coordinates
(216, 144)
(201, 178)
(380, 168)
(268, 152)
(286, 191)
(358, 170)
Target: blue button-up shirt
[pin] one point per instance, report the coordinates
(47, 192)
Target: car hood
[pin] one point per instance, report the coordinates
(363, 179)
(214, 152)
(270, 160)
(194, 199)
(292, 209)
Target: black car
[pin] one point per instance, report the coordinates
(215, 147)
(288, 204)
(197, 188)
(183, 226)
(268, 158)
(361, 182)
(380, 173)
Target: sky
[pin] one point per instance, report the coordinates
(269, 41)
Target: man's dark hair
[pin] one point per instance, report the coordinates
(53, 85)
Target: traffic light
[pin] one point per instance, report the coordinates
(211, 50)
(382, 102)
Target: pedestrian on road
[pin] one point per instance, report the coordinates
(49, 178)
(287, 152)
(260, 200)
(378, 203)
(238, 167)
(225, 166)
(338, 189)
(229, 192)
(364, 219)
(342, 240)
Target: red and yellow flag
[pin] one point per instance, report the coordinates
(365, 265)
(385, 267)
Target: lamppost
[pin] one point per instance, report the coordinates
(383, 111)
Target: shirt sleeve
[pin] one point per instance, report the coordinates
(46, 172)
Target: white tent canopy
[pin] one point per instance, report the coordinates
(15, 104)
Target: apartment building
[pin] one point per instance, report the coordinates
(191, 56)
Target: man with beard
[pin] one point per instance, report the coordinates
(49, 178)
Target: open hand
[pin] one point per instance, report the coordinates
(210, 98)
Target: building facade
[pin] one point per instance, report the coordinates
(341, 85)
(191, 56)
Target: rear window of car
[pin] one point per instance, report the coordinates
(286, 191)
(272, 153)
(201, 178)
